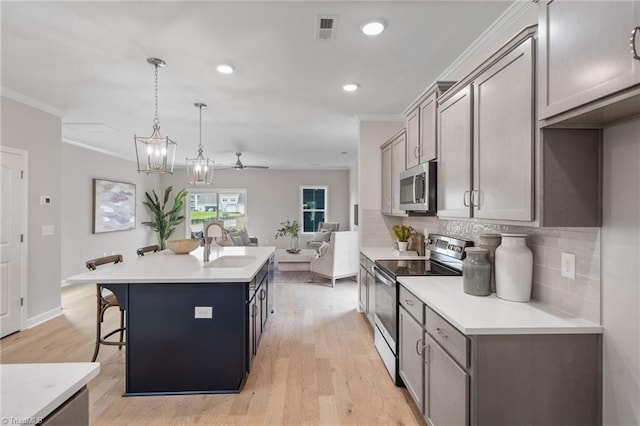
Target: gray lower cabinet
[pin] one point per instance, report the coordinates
(366, 288)
(411, 335)
(492, 380)
(446, 388)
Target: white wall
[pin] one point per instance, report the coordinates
(79, 244)
(38, 132)
(273, 196)
(373, 228)
(621, 275)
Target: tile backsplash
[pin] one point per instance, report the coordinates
(579, 297)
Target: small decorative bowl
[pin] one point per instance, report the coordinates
(183, 246)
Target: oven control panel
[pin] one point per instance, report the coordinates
(449, 246)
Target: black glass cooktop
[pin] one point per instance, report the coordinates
(404, 268)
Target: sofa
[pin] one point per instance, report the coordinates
(216, 234)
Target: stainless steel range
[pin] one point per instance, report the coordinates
(445, 260)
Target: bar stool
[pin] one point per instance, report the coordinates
(105, 300)
(142, 250)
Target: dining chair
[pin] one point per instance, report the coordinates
(148, 249)
(105, 300)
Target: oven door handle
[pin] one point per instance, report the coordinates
(382, 278)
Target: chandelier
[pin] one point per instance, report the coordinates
(200, 169)
(155, 154)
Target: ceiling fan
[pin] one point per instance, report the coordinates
(239, 166)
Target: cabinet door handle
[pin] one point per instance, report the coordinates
(464, 198)
(633, 43)
(254, 310)
(474, 202)
(440, 332)
(427, 354)
(409, 302)
(418, 345)
(416, 151)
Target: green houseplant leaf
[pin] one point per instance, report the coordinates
(402, 232)
(288, 229)
(164, 222)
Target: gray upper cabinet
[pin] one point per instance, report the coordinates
(413, 138)
(393, 162)
(503, 143)
(454, 162)
(585, 52)
(486, 138)
(421, 126)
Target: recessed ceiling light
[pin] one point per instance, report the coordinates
(350, 87)
(225, 69)
(372, 28)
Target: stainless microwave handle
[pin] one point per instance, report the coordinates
(383, 279)
(415, 199)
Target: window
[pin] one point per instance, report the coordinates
(228, 205)
(314, 207)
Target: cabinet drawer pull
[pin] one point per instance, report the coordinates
(418, 345)
(409, 302)
(633, 43)
(464, 198)
(440, 332)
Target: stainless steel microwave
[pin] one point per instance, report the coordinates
(418, 188)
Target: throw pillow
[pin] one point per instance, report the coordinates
(223, 242)
(323, 249)
(321, 236)
(237, 240)
(245, 237)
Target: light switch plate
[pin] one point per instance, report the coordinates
(568, 265)
(203, 312)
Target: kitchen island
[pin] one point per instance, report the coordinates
(192, 326)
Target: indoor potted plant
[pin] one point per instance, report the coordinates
(165, 222)
(290, 229)
(402, 234)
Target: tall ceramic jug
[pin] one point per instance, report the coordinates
(514, 268)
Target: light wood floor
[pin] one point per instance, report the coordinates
(316, 365)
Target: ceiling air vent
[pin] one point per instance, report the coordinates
(326, 27)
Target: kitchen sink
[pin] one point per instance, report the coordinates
(230, 262)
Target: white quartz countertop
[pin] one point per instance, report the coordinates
(167, 267)
(475, 315)
(381, 253)
(30, 392)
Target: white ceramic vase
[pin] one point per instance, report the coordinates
(402, 245)
(514, 268)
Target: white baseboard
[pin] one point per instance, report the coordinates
(44, 317)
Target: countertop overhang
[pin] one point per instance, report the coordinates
(475, 315)
(30, 392)
(167, 267)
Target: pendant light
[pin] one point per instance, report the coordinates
(155, 154)
(200, 169)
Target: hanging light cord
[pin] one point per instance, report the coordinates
(200, 141)
(156, 120)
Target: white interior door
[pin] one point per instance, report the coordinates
(12, 249)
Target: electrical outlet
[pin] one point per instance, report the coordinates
(203, 312)
(568, 265)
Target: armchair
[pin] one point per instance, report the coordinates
(341, 258)
(325, 230)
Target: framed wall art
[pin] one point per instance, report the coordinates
(114, 206)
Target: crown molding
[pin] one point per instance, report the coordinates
(380, 117)
(513, 12)
(93, 148)
(26, 100)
